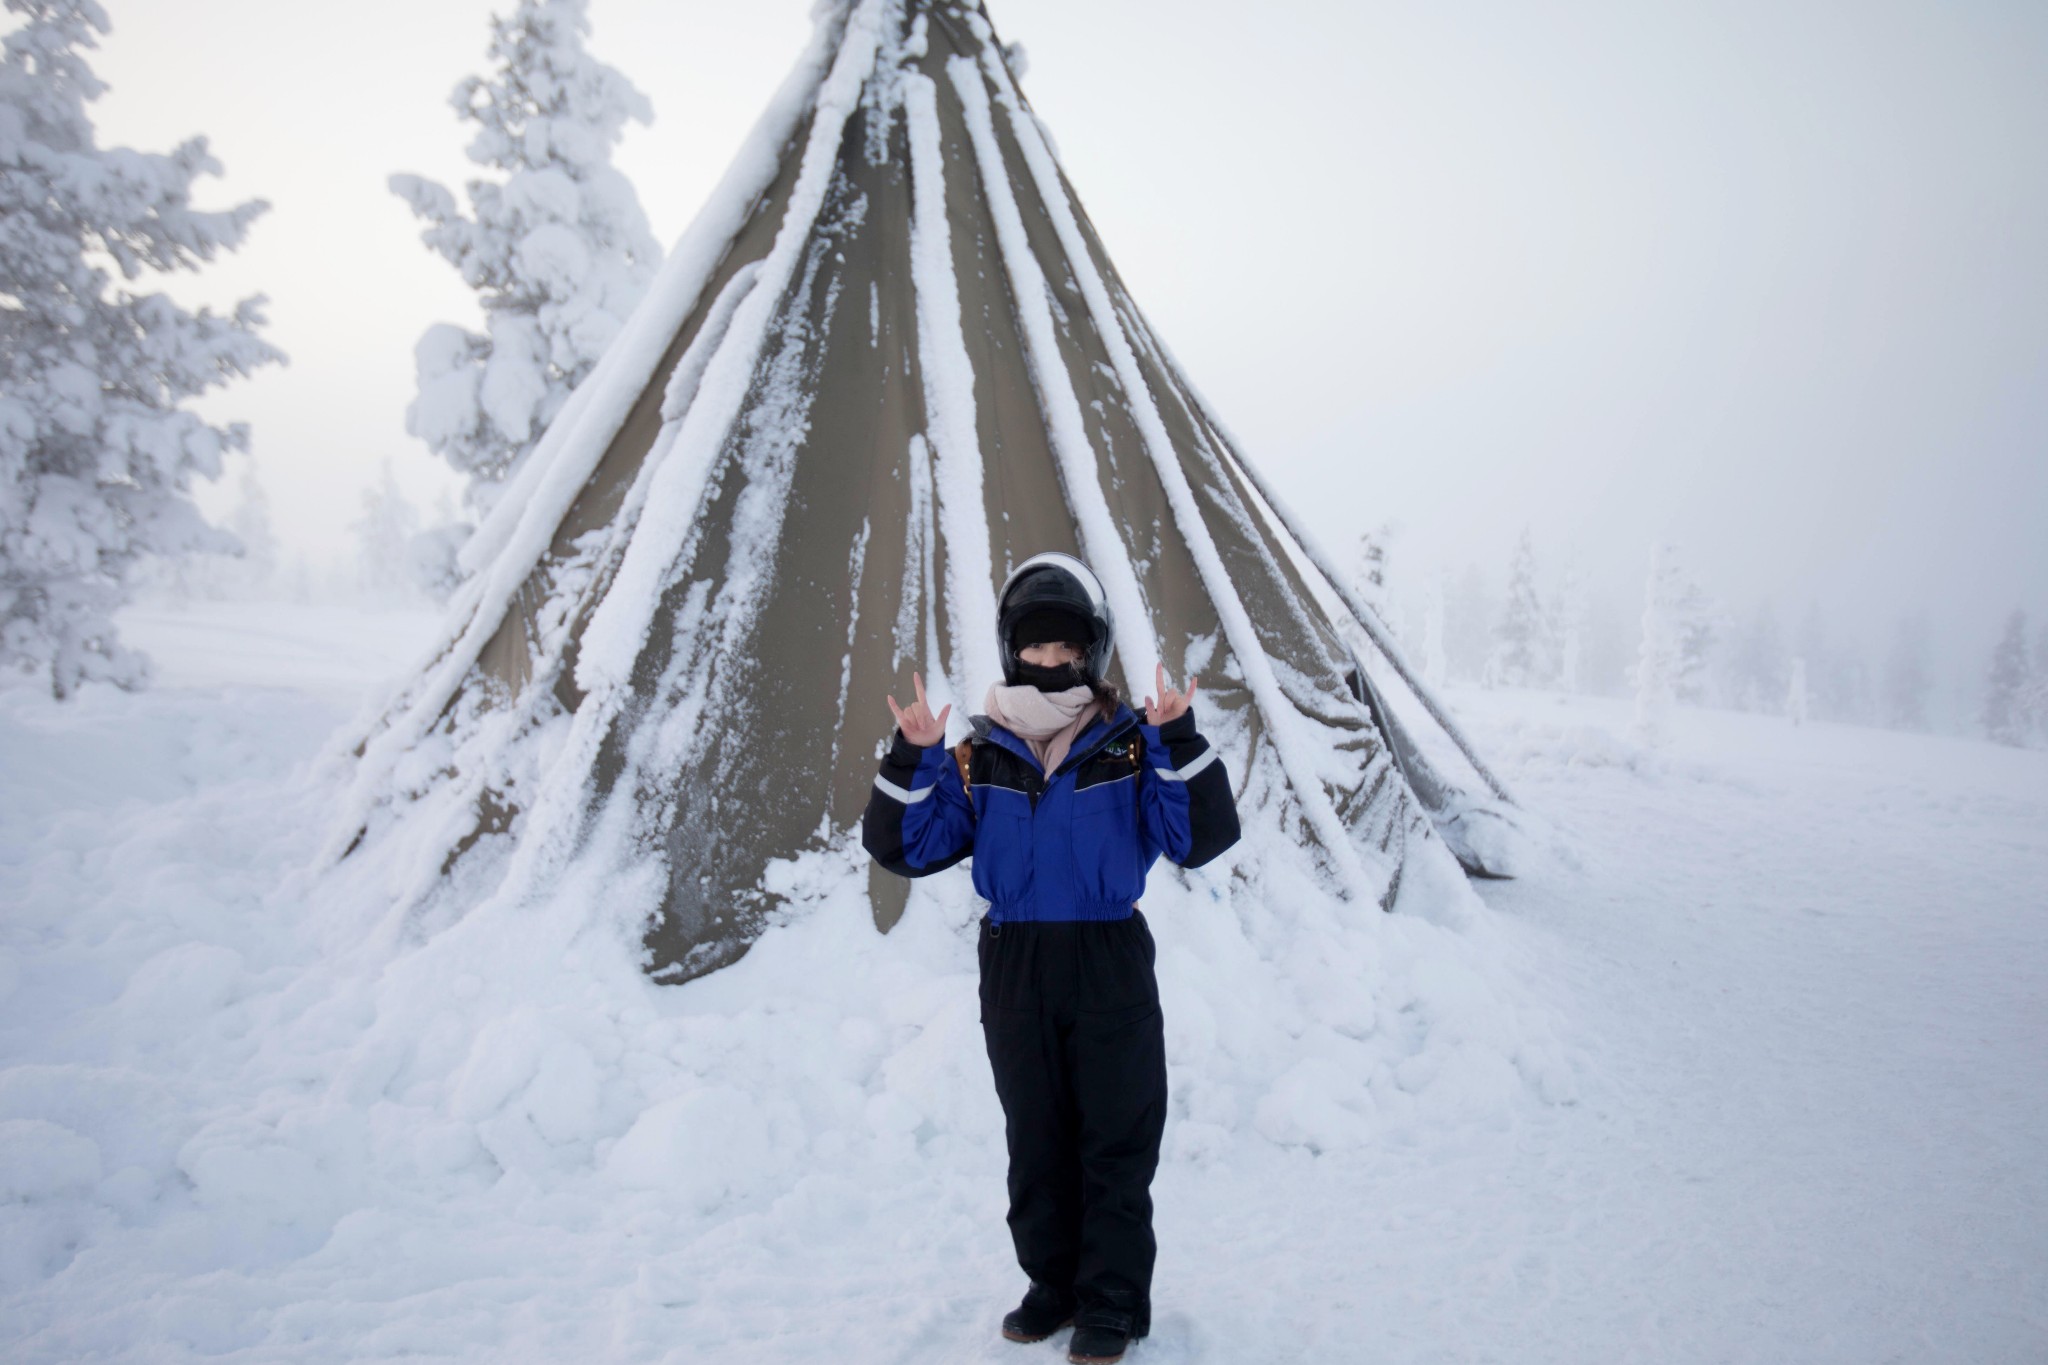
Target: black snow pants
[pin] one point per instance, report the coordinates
(1070, 1012)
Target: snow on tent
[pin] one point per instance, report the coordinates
(889, 360)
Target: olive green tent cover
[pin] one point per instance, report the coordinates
(889, 360)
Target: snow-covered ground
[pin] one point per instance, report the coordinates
(1750, 1070)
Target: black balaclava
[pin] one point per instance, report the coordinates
(1051, 626)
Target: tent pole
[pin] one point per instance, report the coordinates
(1367, 619)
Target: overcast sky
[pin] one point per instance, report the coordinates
(1770, 278)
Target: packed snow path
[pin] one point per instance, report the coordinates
(1798, 976)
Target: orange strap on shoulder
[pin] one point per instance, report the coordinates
(963, 754)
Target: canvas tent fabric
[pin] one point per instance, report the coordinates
(890, 360)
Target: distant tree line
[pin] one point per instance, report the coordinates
(1677, 645)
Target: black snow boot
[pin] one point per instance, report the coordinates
(1101, 1335)
(1044, 1311)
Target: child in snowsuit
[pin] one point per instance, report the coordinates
(1064, 797)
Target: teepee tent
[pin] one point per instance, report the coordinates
(889, 360)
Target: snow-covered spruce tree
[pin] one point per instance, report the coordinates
(558, 250)
(1569, 616)
(434, 554)
(2005, 696)
(1662, 660)
(249, 572)
(1524, 640)
(384, 537)
(1699, 626)
(250, 522)
(1795, 693)
(1369, 576)
(97, 452)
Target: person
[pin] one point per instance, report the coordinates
(1064, 798)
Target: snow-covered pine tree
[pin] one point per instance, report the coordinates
(1369, 576)
(433, 553)
(1661, 661)
(1699, 626)
(1908, 677)
(1570, 618)
(248, 571)
(97, 450)
(558, 251)
(384, 537)
(2005, 696)
(250, 524)
(1795, 693)
(1522, 639)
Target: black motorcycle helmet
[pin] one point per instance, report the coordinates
(1054, 596)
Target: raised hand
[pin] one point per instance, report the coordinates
(1171, 704)
(916, 721)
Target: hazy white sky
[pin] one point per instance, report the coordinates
(1769, 277)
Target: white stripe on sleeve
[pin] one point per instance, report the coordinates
(1183, 774)
(905, 795)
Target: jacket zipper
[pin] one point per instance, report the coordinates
(1039, 782)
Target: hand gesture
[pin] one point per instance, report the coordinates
(916, 722)
(1171, 704)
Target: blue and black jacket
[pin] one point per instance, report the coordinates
(1072, 844)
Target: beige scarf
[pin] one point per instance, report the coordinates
(1047, 721)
